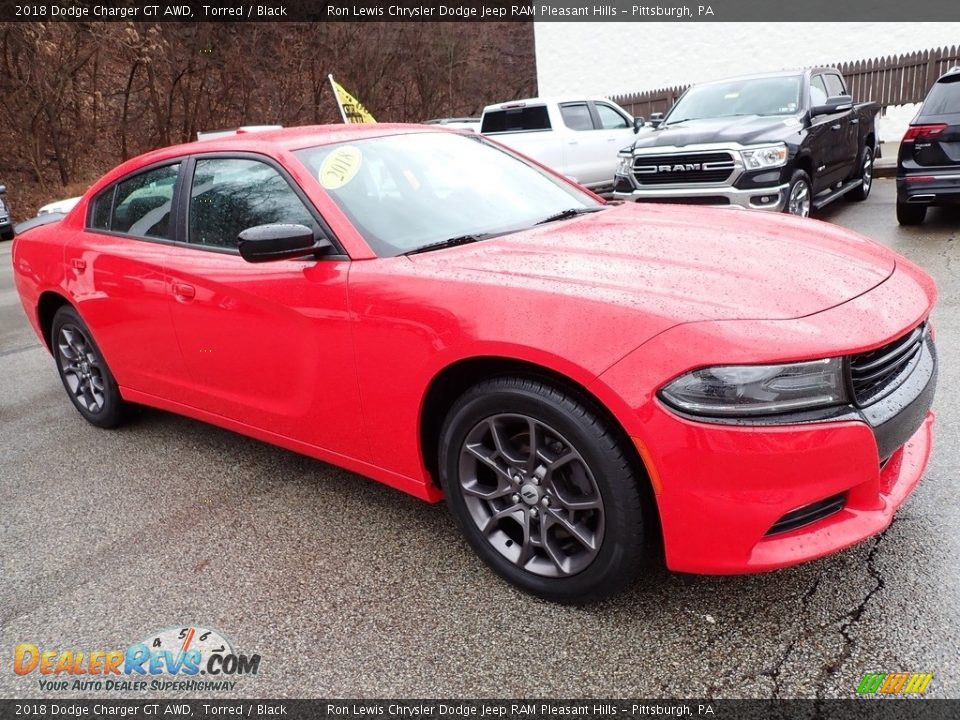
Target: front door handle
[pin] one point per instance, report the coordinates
(78, 263)
(184, 291)
(835, 127)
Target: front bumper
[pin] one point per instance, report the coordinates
(758, 198)
(733, 507)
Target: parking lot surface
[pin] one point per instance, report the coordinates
(346, 588)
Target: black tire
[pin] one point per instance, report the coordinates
(84, 373)
(866, 175)
(910, 213)
(799, 180)
(602, 474)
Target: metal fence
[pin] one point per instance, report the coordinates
(892, 80)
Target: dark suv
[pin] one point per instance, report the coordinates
(6, 222)
(928, 169)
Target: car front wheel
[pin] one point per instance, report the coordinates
(799, 195)
(88, 381)
(543, 488)
(862, 191)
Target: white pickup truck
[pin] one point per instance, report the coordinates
(578, 137)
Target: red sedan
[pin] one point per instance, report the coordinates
(429, 309)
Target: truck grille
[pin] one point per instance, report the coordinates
(712, 167)
(879, 372)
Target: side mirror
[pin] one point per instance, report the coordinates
(279, 241)
(638, 122)
(834, 104)
(656, 119)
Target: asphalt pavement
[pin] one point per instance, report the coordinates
(346, 588)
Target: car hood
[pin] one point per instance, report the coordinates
(747, 130)
(678, 263)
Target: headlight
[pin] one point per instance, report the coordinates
(625, 166)
(749, 390)
(765, 157)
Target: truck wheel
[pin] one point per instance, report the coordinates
(799, 195)
(866, 175)
(910, 214)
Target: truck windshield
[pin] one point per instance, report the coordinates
(405, 192)
(755, 96)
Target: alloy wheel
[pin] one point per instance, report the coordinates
(82, 371)
(532, 495)
(799, 201)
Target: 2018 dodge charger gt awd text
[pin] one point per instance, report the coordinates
(571, 376)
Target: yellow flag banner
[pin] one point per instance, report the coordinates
(350, 108)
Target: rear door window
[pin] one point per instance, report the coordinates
(142, 204)
(576, 116)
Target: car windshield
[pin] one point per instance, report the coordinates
(405, 192)
(756, 96)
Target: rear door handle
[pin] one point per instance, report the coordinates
(835, 127)
(184, 291)
(855, 121)
(78, 263)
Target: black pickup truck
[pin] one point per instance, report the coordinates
(787, 141)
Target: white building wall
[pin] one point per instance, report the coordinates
(610, 58)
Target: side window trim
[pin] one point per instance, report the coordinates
(183, 220)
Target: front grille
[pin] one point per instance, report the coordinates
(809, 514)
(879, 372)
(712, 167)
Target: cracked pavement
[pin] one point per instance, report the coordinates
(349, 589)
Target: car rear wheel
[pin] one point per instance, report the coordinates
(799, 195)
(910, 214)
(543, 489)
(862, 192)
(88, 381)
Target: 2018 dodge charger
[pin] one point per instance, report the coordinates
(571, 376)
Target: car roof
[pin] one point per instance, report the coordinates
(294, 138)
(270, 142)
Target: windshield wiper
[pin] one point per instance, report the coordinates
(450, 242)
(570, 213)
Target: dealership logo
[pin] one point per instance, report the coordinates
(180, 653)
(894, 683)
